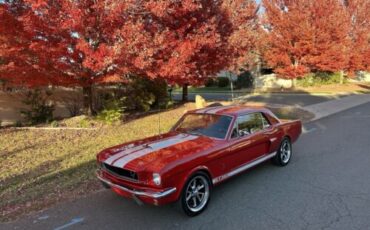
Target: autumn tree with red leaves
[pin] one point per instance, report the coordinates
(84, 43)
(246, 31)
(305, 36)
(330, 37)
(287, 38)
(359, 35)
(61, 43)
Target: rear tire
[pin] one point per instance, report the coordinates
(284, 154)
(196, 194)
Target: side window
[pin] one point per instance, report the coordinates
(249, 124)
(245, 125)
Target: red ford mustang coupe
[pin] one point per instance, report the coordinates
(204, 148)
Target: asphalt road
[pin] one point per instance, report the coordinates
(288, 99)
(326, 186)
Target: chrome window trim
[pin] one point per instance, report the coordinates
(245, 114)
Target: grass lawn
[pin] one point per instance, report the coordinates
(39, 168)
(42, 167)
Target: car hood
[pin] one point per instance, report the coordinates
(157, 152)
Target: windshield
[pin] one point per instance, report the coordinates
(210, 125)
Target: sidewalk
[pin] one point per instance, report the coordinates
(328, 108)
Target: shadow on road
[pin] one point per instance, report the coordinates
(298, 98)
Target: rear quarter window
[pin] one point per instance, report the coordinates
(271, 118)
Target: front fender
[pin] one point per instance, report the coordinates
(180, 179)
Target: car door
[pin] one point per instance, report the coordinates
(272, 133)
(248, 140)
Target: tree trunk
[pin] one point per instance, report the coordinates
(88, 108)
(231, 86)
(258, 72)
(294, 80)
(294, 83)
(341, 77)
(185, 93)
(258, 66)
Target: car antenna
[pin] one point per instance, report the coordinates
(159, 118)
(231, 86)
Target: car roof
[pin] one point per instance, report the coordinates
(232, 110)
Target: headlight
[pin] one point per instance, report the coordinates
(156, 178)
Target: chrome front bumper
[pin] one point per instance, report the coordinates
(154, 195)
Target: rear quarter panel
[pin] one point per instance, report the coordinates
(291, 128)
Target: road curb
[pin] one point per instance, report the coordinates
(328, 108)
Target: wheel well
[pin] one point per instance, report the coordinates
(203, 170)
(288, 137)
(206, 172)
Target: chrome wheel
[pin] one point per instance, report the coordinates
(197, 193)
(285, 152)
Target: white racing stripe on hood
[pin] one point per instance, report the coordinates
(150, 148)
(129, 149)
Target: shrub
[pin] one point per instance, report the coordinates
(110, 116)
(245, 80)
(223, 82)
(210, 82)
(84, 123)
(320, 78)
(139, 94)
(40, 109)
(18, 124)
(306, 81)
(73, 103)
(140, 100)
(112, 112)
(167, 104)
(54, 124)
(334, 78)
(159, 89)
(144, 94)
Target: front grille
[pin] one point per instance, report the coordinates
(121, 172)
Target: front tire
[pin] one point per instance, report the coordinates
(196, 194)
(284, 153)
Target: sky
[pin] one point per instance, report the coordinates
(261, 8)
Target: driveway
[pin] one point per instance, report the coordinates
(326, 186)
